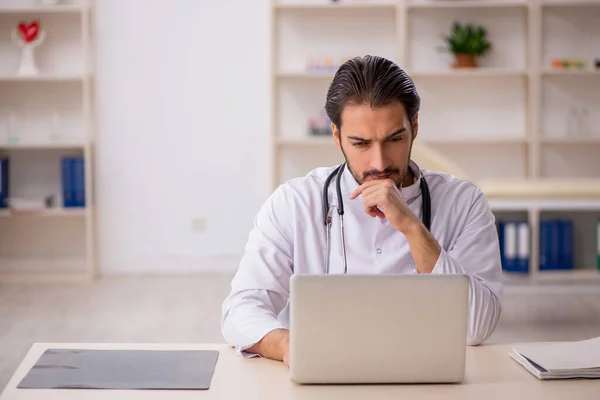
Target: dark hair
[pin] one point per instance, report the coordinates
(370, 80)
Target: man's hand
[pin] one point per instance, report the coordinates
(383, 199)
(275, 345)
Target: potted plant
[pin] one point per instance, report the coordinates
(467, 42)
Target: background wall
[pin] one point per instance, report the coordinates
(182, 131)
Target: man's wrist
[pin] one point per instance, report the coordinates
(423, 246)
(413, 226)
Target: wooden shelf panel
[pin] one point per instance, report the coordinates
(570, 72)
(53, 212)
(575, 276)
(424, 4)
(43, 145)
(336, 6)
(570, 140)
(44, 78)
(57, 9)
(561, 191)
(544, 204)
(317, 75)
(469, 72)
(570, 3)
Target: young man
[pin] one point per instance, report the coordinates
(373, 106)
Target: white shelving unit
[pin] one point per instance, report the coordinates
(513, 121)
(52, 118)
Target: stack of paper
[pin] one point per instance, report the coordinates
(560, 360)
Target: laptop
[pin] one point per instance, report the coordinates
(360, 329)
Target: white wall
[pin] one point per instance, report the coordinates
(183, 114)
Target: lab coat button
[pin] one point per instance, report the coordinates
(378, 251)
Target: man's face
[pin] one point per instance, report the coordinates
(376, 142)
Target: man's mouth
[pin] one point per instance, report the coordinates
(381, 176)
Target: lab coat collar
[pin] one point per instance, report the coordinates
(410, 192)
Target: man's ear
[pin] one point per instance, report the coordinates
(336, 135)
(415, 127)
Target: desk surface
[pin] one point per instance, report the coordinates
(490, 373)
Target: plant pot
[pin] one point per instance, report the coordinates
(465, 60)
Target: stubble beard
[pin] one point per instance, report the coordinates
(360, 180)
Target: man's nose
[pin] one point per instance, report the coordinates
(379, 161)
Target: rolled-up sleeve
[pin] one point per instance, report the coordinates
(260, 287)
(476, 253)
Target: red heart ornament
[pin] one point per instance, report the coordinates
(29, 32)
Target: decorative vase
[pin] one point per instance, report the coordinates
(465, 60)
(28, 37)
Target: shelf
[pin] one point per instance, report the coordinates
(424, 4)
(61, 277)
(306, 75)
(53, 212)
(336, 6)
(544, 204)
(42, 145)
(555, 192)
(44, 78)
(569, 72)
(469, 72)
(474, 141)
(57, 9)
(570, 3)
(565, 277)
(570, 140)
(306, 141)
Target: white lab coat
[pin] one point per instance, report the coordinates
(289, 236)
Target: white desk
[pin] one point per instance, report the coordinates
(491, 374)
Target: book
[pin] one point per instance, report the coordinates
(598, 244)
(4, 195)
(560, 360)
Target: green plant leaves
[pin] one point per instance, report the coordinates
(468, 39)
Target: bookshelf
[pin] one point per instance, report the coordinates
(44, 118)
(539, 158)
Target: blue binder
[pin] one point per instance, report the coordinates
(566, 248)
(67, 182)
(556, 245)
(4, 195)
(510, 249)
(79, 182)
(523, 247)
(73, 182)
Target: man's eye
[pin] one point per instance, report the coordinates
(397, 139)
(359, 144)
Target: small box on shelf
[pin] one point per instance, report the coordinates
(320, 125)
(570, 64)
(324, 64)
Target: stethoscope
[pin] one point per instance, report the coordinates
(328, 212)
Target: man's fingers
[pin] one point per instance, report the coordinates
(359, 190)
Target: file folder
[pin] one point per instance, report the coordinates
(560, 360)
(510, 246)
(4, 183)
(523, 247)
(566, 259)
(67, 182)
(122, 369)
(598, 244)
